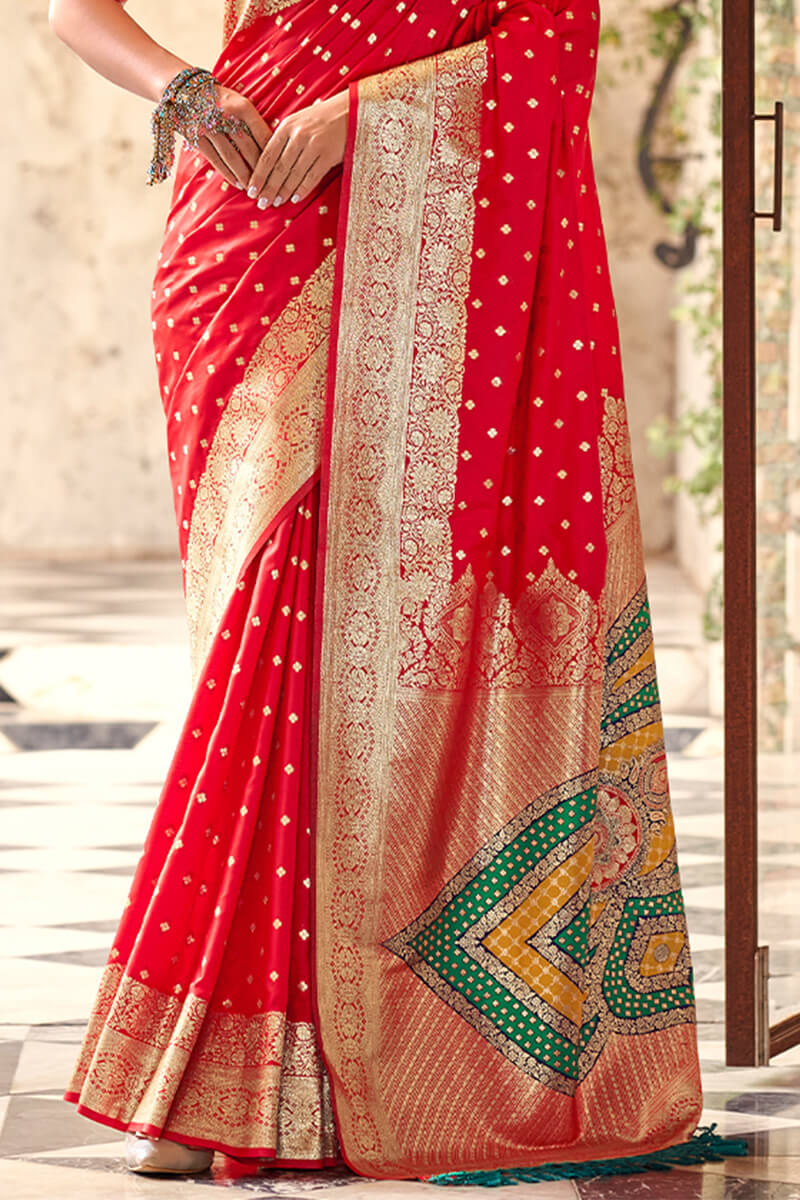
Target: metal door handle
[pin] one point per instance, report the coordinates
(776, 216)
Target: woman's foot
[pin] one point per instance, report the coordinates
(160, 1156)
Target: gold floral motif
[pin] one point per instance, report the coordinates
(267, 444)
(616, 463)
(245, 1082)
(552, 635)
(439, 337)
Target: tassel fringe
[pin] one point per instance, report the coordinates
(705, 1146)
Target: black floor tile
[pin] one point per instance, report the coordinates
(108, 926)
(678, 737)
(78, 958)
(765, 1104)
(34, 1124)
(9, 1057)
(76, 735)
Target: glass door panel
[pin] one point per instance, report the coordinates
(777, 526)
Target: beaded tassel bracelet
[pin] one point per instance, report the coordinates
(188, 106)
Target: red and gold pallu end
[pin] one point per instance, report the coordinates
(502, 969)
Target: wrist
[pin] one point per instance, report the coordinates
(163, 73)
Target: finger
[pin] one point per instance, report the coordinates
(266, 163)
(274, 190)
(261, 132)
(236, 105)
(303, 178)
(229, 154)
(248, 148)
(311, 180)
(209, 153)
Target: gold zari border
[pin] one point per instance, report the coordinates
(245, 1082)
(397, 188)
(241, 13)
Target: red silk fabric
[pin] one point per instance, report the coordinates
(206, 1027)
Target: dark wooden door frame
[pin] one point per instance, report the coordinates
(749, 1039)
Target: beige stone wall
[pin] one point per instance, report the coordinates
(82, 455)
(643, 288)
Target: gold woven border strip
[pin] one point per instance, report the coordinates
(399, 176)
(241, 13)
(240, 1081)
(266, 446)
(359, 650)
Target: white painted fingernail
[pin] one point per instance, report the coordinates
(295, 198)
(240, 186)
(252, 192)
(263, 202)
(277, 202)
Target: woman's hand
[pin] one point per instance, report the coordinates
(236, 157)
(300, 151)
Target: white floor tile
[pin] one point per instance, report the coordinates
(711, 896)
(43, 1066)
(44, 992)
(707, 941)
(104, 682)
(68, 898)
(13, 1033)
(385, 1189)
(20, 940)
(66, 828)
(63, 767)
(69, 858)
(705, 825)
(735, 1122)
(106, 1150)
(710, 991)
(778, 1077)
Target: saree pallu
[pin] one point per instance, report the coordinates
(411, 892)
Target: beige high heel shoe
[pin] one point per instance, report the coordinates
(160, 1156)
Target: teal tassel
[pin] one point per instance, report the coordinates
(705, 1146)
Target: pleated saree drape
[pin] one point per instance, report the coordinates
(410, 894)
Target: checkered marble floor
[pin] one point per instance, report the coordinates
(93, 683)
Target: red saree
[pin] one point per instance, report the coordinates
(410, 894)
